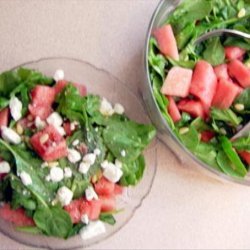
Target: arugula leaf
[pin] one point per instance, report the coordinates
(242, 143)
(132, 172)
(200, 125)
(53, 221)
(8, 81)
(207, 153)
(190, 139)
(189, 11)
(185, 119)
(237, 164)
(226, 115)
(129, 136)
(75, 229)
(26, 162)
(214, 52)
(107, 218)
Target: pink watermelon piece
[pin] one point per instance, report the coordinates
(173, 109)
(233, 52)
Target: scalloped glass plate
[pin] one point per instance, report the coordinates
(99, 82)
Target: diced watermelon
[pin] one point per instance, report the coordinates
(42, 111)
(54, 148)
(177, 82)
(204, 83)
(233, 52)
(221, 71)
(77, 208)
(245, 155)
(4, 117)
(95, 210)
(17, 217)
(61, 84)
(104, 187)
(194, 108)
(240, 72)
(166, 41)
(108, 203)
(225, 94)
(42, 95)
(118, 189)
(207, 135)
(74, 210)
(173, 109)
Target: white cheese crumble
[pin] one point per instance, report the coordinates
(67, 172)
(119, 109)
(73, 125)
(59, 75)
(60, 130)
(10, 135)
(85, 219)
(84, 167)
(64, 196)
(25, 178)
(4, 167)
(89, 158)
(55, 119)
(15, 108)
(106, 108)
(112, 173)
(75, 142)
(56, 174)
(93, 229)
(90, 194)
(123, 153)
(97, 151)
(118, 163)
(40, 124)
(73, 155)
(104, 164)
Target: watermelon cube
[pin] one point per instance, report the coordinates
(173, 109)
(225, 94)
(233, 52)
(221, 71)
(177, 82)
(166, 41)
(192, 107)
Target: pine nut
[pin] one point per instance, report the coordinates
(183, 130)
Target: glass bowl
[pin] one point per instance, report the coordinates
(165, 134)
(102, 83)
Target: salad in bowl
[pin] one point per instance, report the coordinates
(65, 155)
(202, 90)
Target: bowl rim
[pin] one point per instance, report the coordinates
(154, 143)
(206, 167)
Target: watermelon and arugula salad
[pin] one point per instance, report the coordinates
(65, 155)
(203, 90)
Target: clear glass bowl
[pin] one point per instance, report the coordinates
(99, 82)
(165, 134)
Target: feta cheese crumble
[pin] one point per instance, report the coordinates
(75, 142)
(67, 172)
(55, 119)
(4, 167)
(84, 167)
(25, 178)
(97, 151)
(73, 155)
(123, 153)
(64, 196)
(56, 174)
(85, 219)
(119, 109)
(10, 135)
(112, 173)
(106, 108)
(93, 229)
(40, 124)
(89, 158)
(15, 108)
(90, 194)
(59, 75)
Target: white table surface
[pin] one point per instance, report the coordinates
(185, 209)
